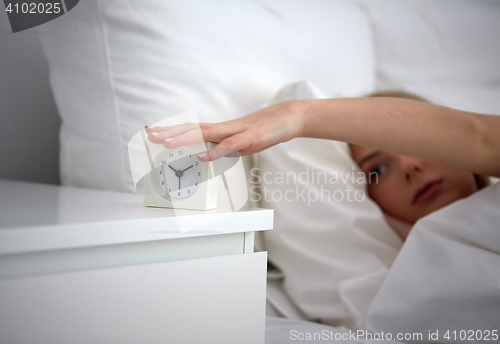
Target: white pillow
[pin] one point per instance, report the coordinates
(332, 251)
(446, 277)
(116, 66)
(446, 51)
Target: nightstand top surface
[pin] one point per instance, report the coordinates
(38, 217)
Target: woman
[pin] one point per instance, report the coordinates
(426, 156)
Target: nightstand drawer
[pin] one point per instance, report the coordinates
(211, 300)
(107, 256)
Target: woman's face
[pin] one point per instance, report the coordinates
(409, 188)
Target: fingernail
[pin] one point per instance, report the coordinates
(154, 134)
(152, 126)
(202, 155)
(167, 140)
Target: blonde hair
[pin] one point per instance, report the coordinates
(398, 94)
(481, 181)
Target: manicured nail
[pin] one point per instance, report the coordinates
(167, 140)
(202, 155)
(154, 134)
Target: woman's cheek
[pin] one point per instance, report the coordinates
(376, 193)
(386, 196)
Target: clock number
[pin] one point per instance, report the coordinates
(161, 174)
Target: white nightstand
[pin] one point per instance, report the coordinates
(89, 266)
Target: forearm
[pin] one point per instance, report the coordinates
(408, 127)
(464, 140)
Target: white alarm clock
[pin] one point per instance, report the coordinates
(179, 180)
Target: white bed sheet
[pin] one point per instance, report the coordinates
(447, 276)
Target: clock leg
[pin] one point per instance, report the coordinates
(227, 191)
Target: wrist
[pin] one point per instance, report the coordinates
(308, 114)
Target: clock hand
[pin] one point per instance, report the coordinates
(173, 169)
(187, 168)
(179, 183)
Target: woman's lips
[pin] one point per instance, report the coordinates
(427, 191)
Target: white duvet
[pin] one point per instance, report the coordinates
(446, 279)
(444, 285)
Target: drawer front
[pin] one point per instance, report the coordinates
(210, 300)
(108, 256)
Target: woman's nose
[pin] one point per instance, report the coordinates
(410, 166)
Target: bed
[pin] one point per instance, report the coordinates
(335, 266)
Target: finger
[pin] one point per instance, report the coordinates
(211, 155)
(239, 142)
(207, 132)
(217, 132)
(187, 138)
(156, 137)
(184, 134)
(159, 134)
(170, 131)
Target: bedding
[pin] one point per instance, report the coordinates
(116, 66)
(447, 276)
(446, 51)
(329, 240)
(444, 278)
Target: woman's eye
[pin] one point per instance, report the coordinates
(379, 169)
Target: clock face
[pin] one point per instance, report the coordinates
(179, 173)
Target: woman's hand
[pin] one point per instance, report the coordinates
(249, 134)
(466, 140)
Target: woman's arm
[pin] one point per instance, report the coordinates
(465, 140)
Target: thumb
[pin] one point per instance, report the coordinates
(229, 147)
(218, 153)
